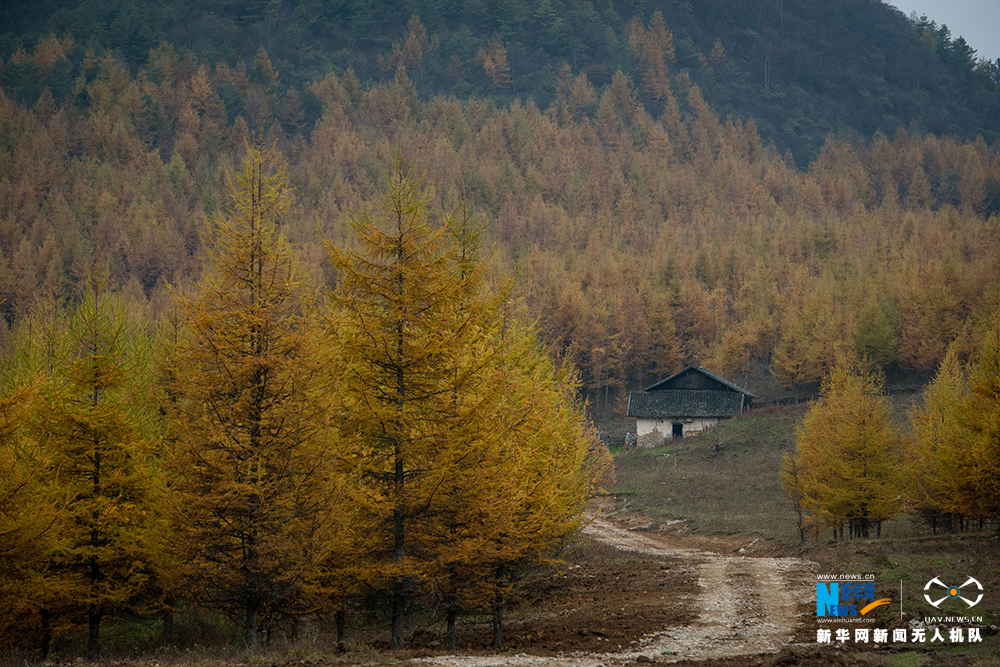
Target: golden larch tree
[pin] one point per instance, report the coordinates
(848, 454)
(527, 459)
(446, 414)
(248, 401)
(29, 508)
(400, 340)
(943, 483)
(552, 462)
(981, 416)
(94, 445)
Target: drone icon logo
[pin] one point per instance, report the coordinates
(953, 592)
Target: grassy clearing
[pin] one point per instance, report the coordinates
(722, 481)
(727, 479)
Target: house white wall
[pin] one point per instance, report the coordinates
(664, 427)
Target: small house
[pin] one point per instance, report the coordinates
(685, 403)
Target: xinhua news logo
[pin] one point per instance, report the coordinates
(845, 599)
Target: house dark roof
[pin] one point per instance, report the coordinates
(683, 403)
(693, 392)
(675, 381)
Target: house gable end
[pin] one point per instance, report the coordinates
(690, 378)
(697, 378)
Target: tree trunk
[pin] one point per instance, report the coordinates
(93, 609)
(449, 634)
(93, 631)
(167, 627)
(340, 618)
(398, 602)
(399, 478)
(396, 640)
(46, 633)
(798, 507)
(497, 613)
(250, 624)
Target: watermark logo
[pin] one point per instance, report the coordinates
(953, 592)
(845, 599)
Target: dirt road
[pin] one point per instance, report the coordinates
(746, 605)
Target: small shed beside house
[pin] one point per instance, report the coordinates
(685, 403)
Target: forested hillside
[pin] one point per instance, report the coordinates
(639, 241)
(801, 70)
(298, 302)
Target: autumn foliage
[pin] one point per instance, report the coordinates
(852, 468)
(644, 239)
(219, 390)
(248, 401)
(956, 449)
(263, 456)
(846, 470)
(469, 441)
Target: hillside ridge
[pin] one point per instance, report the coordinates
(802, 71)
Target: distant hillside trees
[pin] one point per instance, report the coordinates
(802, 71)
(644, 242)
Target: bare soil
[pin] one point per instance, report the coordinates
(588, 607)
(744, 604)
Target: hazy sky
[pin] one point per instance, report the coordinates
(976, 20)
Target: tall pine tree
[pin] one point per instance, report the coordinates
(848, 454)
(247, 402)
(94, 446)
(473, 452)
